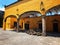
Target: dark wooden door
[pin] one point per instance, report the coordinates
(40, 26)
(55, 27)
(15, 24)
(27, 26)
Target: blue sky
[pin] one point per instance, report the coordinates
(5, 2)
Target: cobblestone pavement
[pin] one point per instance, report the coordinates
(14, 38)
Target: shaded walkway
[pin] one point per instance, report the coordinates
(53, 34)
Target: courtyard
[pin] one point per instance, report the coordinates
(20, 38)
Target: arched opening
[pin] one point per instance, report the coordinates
(30, 14)
(29, 20)
(52, 14)
(10, 22)
(53, 11)
(9, 16)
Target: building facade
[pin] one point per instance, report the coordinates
(32, 14)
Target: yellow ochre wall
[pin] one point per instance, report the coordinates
(29, 5)
(25, 6)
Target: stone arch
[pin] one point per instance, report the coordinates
(21, 16)
(29, 12)
(53, 9)
(4, 26)
(9, 16)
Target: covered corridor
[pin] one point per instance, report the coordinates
(31, 16)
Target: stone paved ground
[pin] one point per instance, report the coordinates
(14, 38)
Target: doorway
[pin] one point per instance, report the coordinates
(55, 27)
(40, 27)
(26, 26)
(15, 24)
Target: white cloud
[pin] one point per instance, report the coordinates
(3, 9)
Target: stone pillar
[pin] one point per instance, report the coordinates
(17, 25)
(43, 26)
(4, 25)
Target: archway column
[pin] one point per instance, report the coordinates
(43, 25)
(18, 25)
